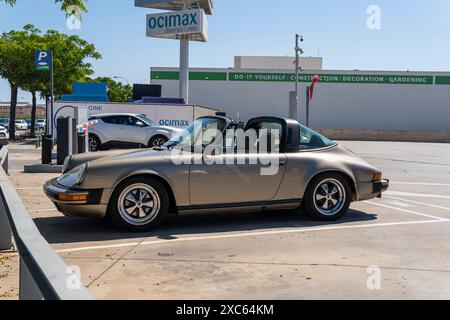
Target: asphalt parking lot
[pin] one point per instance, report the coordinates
(401, 240)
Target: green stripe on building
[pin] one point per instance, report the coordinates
(305, 78)
(202, 76)
(164, 75)
(443, 80)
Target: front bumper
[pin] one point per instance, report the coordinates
(380, 187)
(92, 207)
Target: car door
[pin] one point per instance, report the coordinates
(132, 131)
(237, 177)
(106, 129)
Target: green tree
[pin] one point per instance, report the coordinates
(71, 61)
(65, 4)
(17, 63)
(117, 91)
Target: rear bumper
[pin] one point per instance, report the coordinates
(380, 186)
(371, 190)
(92, 207)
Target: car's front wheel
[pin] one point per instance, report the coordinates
(328, 197)
(139, 204)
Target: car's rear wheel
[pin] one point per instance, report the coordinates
(328, 197)
(157, 141)
(139, 204)
(94, 144)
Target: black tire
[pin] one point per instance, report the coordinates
(157, 141)
(94, 143)
(155, 215)
(316, 190)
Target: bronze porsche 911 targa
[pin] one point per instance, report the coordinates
(137, 189)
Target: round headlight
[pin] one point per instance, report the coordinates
(67, 163)
(74, 177)
(81, 174)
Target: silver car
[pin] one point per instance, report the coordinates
(21, 125)
(4, 136)
(123, 130)
(138, 189)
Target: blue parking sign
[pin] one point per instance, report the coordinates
(43, 60)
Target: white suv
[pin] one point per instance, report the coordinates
(21, 125)
(4, 136)
(123, 130)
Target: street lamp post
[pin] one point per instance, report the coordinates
(293, 109)
(123, 78)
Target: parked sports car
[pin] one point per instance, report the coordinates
(137, 189)
(123, 130)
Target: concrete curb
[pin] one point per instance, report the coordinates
(42, 168)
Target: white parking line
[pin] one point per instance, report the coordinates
(43, 210)
(416, 195)
(420, 203)
(253, 234)
(421, 184)
(407, 211)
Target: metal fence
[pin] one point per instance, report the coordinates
(43, 274)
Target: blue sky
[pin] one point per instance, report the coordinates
(414, 35)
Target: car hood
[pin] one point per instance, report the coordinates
(104, 156)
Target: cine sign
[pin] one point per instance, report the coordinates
(190, 24)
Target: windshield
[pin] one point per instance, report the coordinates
(201, 133)
(146, 120)
(311, 140)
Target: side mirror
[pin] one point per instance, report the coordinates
(140, 124)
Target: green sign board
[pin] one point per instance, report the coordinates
(306, 78)
(331, 78)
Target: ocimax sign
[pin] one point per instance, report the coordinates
(190, 24)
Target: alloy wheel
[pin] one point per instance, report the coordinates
(329, 197)
(139, 204)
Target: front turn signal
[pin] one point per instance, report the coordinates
(73, 197)
(378, 176)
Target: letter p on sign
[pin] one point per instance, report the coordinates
(42, 60)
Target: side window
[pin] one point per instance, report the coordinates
(109, 120)
(271, 140)
(132, 121)
(311, 140)
(122, 120)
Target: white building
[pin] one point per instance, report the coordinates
(277, 63)
(390, 105)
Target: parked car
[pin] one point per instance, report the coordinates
(21, 125)
(4, 136)
(41, 124)
(122, 130)
(138, 189)
(4, 123)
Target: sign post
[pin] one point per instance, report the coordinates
(184, 25)
(186, 21)
(44, 62)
